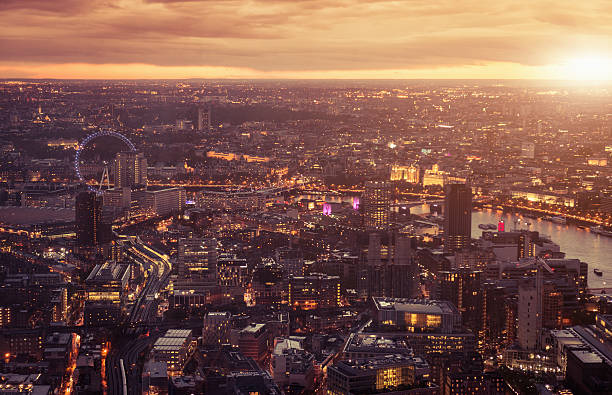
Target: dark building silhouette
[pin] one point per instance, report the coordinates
(204, 119)
(90, 229)
(394, 273)
(88, 209)
(458, 217)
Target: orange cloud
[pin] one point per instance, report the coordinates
(276, 38)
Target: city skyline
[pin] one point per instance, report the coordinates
(305, 197)
(305, 40)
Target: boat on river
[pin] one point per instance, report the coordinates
(558, 220)
(598, 230)
(598, 272)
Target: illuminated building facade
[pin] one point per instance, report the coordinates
(541, 197)
(108, 282)
(118, 197)
(473, 383)
(24, 342)
(197, 257)
(377, 375)
(416, 315)
(59, 305)
(458, 217)
(376, 201)
(107, 287)
(232, 272)
(5, 316)
(163, 201)
(216, 328)
(314, 291)
(405, 173)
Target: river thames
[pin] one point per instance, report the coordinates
(596, 250)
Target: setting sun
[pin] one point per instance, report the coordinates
(592, 68)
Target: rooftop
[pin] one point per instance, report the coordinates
(107, 271)
(156, 369)
(586, 356)
(169, 343)
(253, 328)
(415, 305)
(361, 342)
(360, 366)
(182, 333)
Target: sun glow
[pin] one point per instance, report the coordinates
(591, 68)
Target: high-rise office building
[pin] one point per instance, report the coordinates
(458, 217)
(463, 287)
(377, 205)
(88, 209)
(130, 169)
(204, 120)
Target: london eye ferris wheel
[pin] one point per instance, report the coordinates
(87, 144)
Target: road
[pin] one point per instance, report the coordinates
(157, 267)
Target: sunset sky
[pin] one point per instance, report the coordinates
(306, 39)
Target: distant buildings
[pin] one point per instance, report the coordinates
(405, 173)
(528, 150)
(130, 169)
(204, 119)
(162, 202)
(292, 260)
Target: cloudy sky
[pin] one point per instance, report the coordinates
(305, 39)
